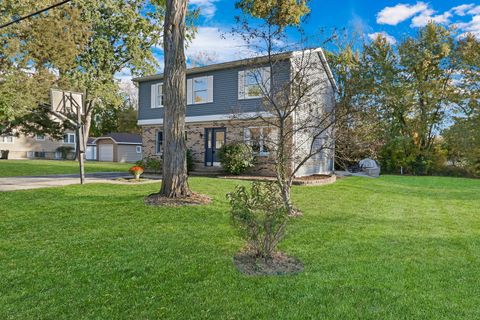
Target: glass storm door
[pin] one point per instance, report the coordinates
(214, 140)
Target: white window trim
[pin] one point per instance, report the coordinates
(155, 104)
(138, 149)
(158, 152)
(191, 92)
(242, 77)
(68, 142)
(246, 139)
(4, 139)
(39, 139)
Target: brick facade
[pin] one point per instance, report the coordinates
(196, 142)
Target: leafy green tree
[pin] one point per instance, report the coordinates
(32, 58)
(280, 13)
(122, 34)
(414, 89)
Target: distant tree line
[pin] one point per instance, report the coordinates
(412, 106)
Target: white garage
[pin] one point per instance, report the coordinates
(118, 147)
(105, 152)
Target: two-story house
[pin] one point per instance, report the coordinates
(220, 98)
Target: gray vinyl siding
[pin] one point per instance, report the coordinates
(225, 94)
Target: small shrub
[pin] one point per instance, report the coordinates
(140, 163)
(236, 157)
(260, 216)
(65, 150)
(150, 163)
(136, 171)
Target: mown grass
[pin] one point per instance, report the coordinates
(17, 168)
(387, 248)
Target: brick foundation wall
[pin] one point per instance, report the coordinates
(196, 142)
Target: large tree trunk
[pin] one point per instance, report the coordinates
(175, 178)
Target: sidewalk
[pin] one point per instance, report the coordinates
(57, 180)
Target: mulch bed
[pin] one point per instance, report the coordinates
(195, 199)
(316, 179)
(279, 264)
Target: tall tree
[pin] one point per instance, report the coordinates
(32, 59)
(411, 91)
(122, 35)
(174, 171)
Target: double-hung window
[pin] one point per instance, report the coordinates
(138, 149)
(69, 138)
(200, 90)
(260, 139)
(157, 96)
(159, 142)
(253, 83)
(7, 139)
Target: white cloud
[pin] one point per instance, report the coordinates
(399, 13)
(389, 38)
(461, 10)
(214, 45)
(474, 11)
(473, 26)
(427, 16)
(207, 7)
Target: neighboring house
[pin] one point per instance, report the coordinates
(115, 147)
(218, 96)
(37, 146)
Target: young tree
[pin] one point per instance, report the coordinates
(301, 123)
(175, 177)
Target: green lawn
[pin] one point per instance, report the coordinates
(16, 168)
(387, 248)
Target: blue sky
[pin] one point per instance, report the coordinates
(393, 18)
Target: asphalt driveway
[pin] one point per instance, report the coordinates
(24, 183)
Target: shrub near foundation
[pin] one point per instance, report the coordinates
(236, 157)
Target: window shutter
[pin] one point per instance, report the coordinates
(189, 91)
(266, 74)
(246, 135)
(153, 102)
(241, 85)
(210, 89)
(159, 95)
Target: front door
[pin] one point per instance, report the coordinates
(215, 138)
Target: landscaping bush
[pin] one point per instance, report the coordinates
(150, 164)
(260, 216)
(65, 151)
(236, 157)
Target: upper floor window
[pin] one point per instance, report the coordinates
(40, 137)
(200, 90)
(69, 138)
(6, 139)
(157, 96)
(253, 83)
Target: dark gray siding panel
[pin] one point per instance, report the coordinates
(225, 95)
